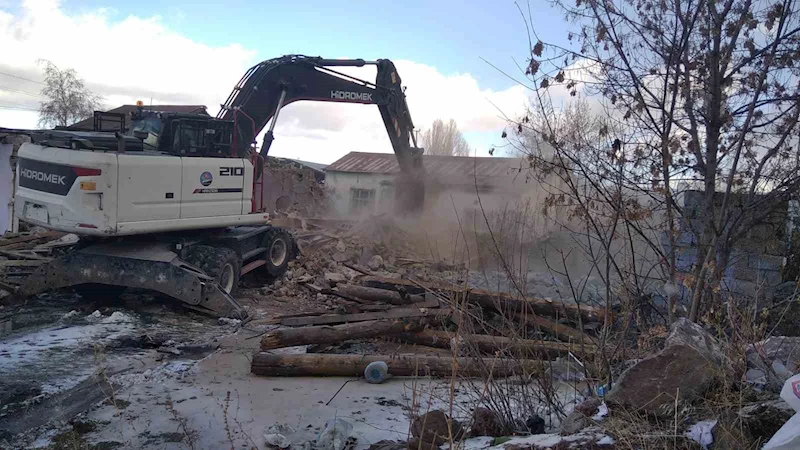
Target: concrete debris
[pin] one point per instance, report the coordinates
(760, 421)
(690, 362)
(334, 277)
(375, 263)
(434, 429)
(772, 361)
(579, 418)
(226, 321)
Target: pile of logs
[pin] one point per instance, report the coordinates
(430, 315)
(22, 253)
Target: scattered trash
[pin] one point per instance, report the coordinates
(335, 436)
(602, 412)
(275, 435)
(788, 437)
(701, 432)
(376, 372)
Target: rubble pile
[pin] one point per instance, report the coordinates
(21, 253)
(375, 286)
(289, 185)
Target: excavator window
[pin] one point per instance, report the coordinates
(210, 138)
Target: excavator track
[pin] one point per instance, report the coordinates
(133, 265)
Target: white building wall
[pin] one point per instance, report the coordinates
(6, 189)
(342, 184)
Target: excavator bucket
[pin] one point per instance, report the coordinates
(154, 267)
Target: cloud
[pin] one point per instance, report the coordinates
(131, 58)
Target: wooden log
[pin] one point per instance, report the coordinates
(31, 237)
(344, 296)
(379, 295)
(397, 313)
(291, 337)
(492, 300)
(564, 332)
(490, 344)
(23, 254)
(330, 365)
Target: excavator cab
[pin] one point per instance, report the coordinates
(184, 134)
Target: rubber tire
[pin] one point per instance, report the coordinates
(270, 236)
(99, 292)
(213, 259)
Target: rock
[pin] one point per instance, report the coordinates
(756, 377)
(432, 427)
(687, 333)
(578, 419)
(416, 444)
(289, 274)
(690, 362)
(339, 257)
(573, 423)
(785, 349)
(341, 247)
(486, 422)
(775, 358)
(761, 421)
(375, 263)
(535, 424)
(334, 277)
(388, 445)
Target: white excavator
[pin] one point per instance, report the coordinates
(174, 204)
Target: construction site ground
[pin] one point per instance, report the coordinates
(193, 387)
(142, 372)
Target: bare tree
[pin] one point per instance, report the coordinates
(68, 99)
(445, 139)
(691, 93)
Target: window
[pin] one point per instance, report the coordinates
(386, 201)
(361, 199)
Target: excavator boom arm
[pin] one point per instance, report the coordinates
(273, 84)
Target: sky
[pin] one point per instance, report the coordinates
(178, 52)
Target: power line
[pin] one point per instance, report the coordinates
(21, 78)
(21, 108)
(20, 91)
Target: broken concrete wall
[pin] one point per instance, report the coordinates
(292, 186)
(756, 262)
